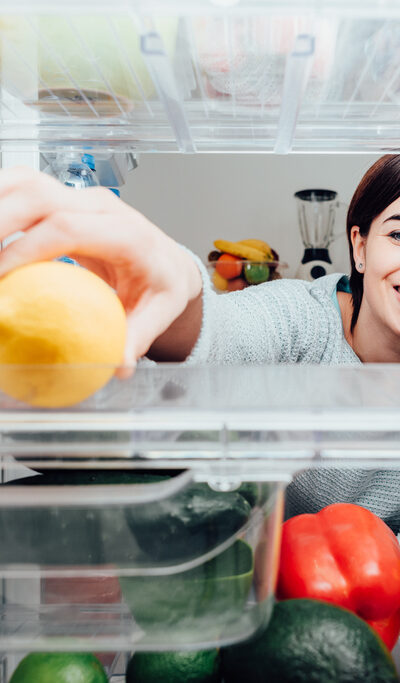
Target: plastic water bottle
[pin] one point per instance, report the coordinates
(78, 174)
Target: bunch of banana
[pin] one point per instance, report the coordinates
(251, 249)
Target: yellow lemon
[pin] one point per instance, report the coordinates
(62, 332)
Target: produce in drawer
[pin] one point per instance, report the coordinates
(87, 65)
(176, 529)
(187, 524)
(310, 640)
(194, 605)
(59, 667)
(236, 265)
(347, 555)
(63, 333)
(201, 666)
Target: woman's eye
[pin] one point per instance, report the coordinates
(395, 235)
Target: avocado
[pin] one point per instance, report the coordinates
(188, 524)
(199, 603)
(201, 666)
(310, 641)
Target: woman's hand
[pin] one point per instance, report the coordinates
(156, 280)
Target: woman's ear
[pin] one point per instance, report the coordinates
(358, 243)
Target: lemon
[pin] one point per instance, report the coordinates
(62, 332)
(59, 667)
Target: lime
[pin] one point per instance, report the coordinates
(174, 667)
(256, 273)
(59, 667)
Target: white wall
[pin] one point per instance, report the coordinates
(199, 198)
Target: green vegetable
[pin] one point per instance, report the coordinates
(174, 667)
(309, 641)
(199, 603)
(187, 525)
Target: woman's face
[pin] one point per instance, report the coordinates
(379, 254)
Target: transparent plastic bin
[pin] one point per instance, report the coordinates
(126, 540)
(114, 577)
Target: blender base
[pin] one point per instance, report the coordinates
(313, 270)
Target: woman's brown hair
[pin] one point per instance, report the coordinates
(379, 187)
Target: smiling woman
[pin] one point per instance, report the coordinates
(373, 229)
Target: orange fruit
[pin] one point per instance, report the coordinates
(229, 266)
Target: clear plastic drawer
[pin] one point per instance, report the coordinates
(191, 568)
(149, 517)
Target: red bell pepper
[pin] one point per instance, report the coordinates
(346, 555)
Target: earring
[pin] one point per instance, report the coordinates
(360, 265)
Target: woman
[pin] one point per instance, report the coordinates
(173, 314)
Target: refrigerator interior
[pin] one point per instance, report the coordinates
(184, 76)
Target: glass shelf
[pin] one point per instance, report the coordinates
(219, 421)
(167, 75)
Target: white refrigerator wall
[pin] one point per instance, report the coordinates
(199, 198)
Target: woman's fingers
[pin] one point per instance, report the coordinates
(66, 233)
(25, 205)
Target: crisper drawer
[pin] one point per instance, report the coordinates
(161, 563)
(154, 522)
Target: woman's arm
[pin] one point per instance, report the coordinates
(172, 314)
(177, 342)
(156, 279)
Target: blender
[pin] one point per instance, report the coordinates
(316, 211)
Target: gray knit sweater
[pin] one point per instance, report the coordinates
(293, 321)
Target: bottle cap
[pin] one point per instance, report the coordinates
(88, 159)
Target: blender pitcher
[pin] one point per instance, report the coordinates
(316, 210)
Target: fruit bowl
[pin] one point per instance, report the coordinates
(248, 273)
(237, 265)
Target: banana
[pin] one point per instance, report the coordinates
(219, 282)
(261, 246)
(241, 250)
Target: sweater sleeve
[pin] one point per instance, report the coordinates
(276, 322)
